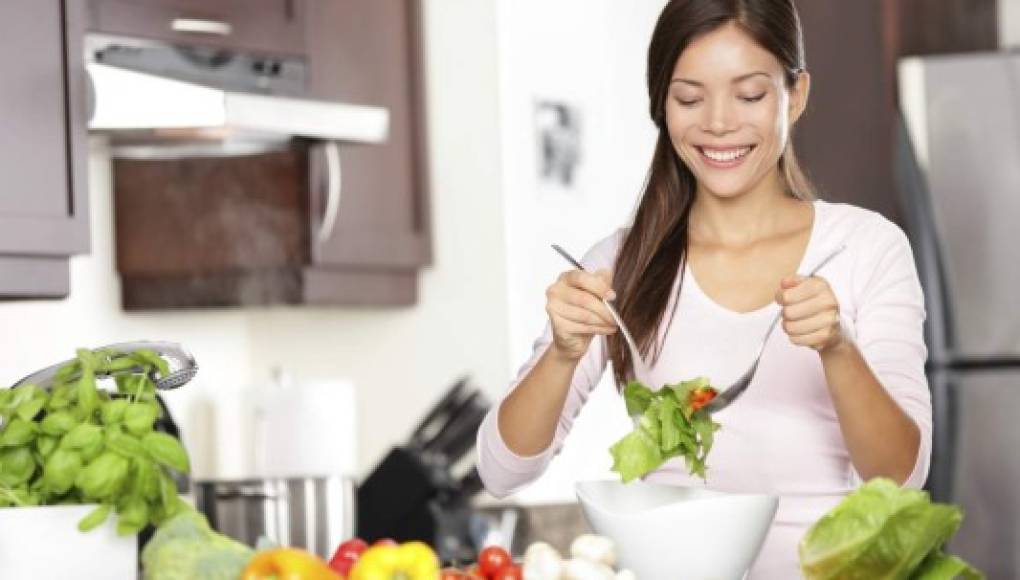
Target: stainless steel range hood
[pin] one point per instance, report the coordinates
(158, 100)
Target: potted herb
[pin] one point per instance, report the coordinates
(72, 452)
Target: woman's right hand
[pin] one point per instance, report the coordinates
(576, 311)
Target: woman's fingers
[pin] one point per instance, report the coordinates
(598, 283)
(581, 295)
(580, 315)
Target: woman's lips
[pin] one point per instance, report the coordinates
(724, 158)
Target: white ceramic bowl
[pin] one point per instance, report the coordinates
(665, 532)
(43, 543)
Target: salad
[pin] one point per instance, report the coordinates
(672, 424)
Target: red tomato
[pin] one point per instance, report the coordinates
(473, 573)
(451, 574)
(347, 554)
(509, 572)
(492, 559)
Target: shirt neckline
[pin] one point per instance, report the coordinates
(692, 282)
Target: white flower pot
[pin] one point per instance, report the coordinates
(43, 543)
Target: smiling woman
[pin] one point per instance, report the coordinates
(726, 221)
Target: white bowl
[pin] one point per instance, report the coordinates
(43, 543)
(665, 532)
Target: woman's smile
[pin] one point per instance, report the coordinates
(724, 158)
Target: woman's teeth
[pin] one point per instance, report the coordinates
(724, 155)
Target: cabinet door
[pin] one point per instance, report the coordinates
(369, 53)
(43, 142)
(270, 26)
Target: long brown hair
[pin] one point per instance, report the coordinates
(655, 247)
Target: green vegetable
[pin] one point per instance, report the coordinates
(184, 548)
(884, 531)
(671, 425)
(77, 443)
(166, 450)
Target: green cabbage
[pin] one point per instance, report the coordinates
(186, 548)
(882, 531)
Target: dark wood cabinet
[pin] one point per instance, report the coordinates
(43, 146)
(236, 232)
(370, 53)
(319, 223)
(845, 139)
(268, 26)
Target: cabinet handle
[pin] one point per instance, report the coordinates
(201, 26)
(334, 188)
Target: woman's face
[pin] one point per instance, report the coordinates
(729, 111)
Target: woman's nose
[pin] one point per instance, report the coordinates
(720, 118)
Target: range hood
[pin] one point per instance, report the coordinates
(158, 100)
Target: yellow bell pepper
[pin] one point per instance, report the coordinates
(287, 564)
(408, 561)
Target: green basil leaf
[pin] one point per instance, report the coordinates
(119, 364)
(91, 451)
(16, 466)
(28, 409)
(22, 395)
(68, 371)
(103, 477)
(140, 417)
(88, 397)
(61, 470)
(167, 494)
(82, 436)
(132, 517)
(58, 423)
(95, 518)
(148, 479)
(18, 432)
(152, 360)
(113, 411)
(126, 445)
(166, 450)
(89, 360)
(46, 444)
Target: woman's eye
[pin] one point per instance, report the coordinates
(753, 99)
(687, 102)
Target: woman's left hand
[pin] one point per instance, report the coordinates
(810, 312)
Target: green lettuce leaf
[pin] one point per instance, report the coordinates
(879, 531)
(667, 427)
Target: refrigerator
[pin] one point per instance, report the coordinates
(958, 172)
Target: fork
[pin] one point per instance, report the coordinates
(726, 396)
(635, 354)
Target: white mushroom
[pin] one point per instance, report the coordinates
(595, 548)
(584, 569)
(542, 562)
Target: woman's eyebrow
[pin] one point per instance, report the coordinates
(739, 79)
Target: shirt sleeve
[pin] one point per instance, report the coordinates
(504, 472)
(890, 330)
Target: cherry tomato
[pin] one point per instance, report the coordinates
(509, 572)
(474, 573)
(451, 574)
(492, 559)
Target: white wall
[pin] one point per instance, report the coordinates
(400, 360)
(1009, 23)
(590, 53)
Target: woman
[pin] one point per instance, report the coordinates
(725, 222)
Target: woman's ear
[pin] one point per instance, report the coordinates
(799, 96)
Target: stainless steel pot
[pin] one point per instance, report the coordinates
(314, 513)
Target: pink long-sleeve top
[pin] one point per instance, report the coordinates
(783, 436)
